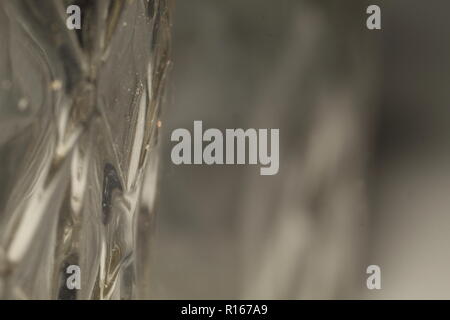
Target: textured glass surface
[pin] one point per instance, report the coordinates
(78, 146)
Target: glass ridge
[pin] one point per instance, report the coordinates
(79, 113)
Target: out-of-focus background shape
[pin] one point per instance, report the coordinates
(364, 154)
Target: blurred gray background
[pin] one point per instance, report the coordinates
(364, 153)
